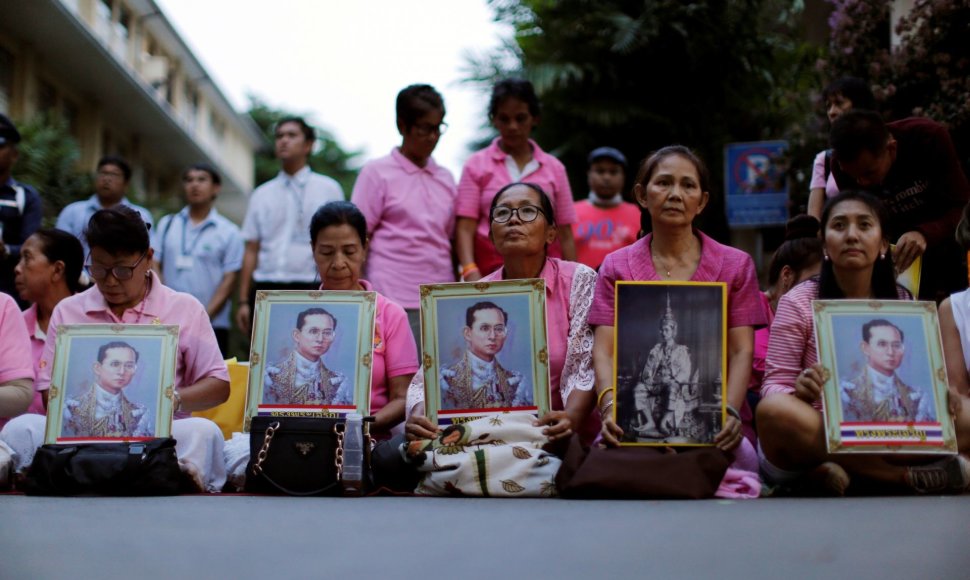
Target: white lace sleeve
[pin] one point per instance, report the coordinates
(415, 393)
(577, 372)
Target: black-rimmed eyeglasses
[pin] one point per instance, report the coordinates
(526, 213)
(122, 273)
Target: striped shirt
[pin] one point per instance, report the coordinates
(791, 345)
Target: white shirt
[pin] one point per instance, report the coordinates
(513, 167)
(279, 219)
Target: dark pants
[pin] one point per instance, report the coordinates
(222, 337)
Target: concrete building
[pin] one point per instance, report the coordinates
(118, 71)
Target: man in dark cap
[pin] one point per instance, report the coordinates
(20, 210)
(605, 222)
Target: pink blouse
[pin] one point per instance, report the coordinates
(719, 263)
(198, 352)
(14, 345)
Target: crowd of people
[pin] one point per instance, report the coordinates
(884, 195)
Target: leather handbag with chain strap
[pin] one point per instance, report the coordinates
(301, 456)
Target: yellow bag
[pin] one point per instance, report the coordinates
(229, 415)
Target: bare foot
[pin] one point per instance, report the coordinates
(831, 477)
(193, 474)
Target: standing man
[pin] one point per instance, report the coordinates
(110, 184)
(277, 224)
(20, 209)
(605, 223)
(912, 166)
(200, 252)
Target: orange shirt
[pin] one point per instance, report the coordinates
(601, 230)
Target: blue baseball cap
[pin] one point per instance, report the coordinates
(606, 153)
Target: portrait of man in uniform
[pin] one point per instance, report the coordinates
(302, 377)
(478, 380)
(878, 393)
(103, 410)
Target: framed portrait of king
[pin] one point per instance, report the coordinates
(112, 383)
(485, 349)
(885, 380)
(670, 341)
(311, 353)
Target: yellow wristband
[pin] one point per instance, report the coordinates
(599, 399)
(468, 269)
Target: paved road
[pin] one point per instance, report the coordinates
(280, 538)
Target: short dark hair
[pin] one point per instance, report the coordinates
(117, 230)
(470, 313)
(883, 275)
(801, 249)
(856, 131)
(118, 162)
(104, 348)
(544, 200)
(876, 323)
(203, 166)
(316, 311)
(308, 133)
(520, 89)
(336, 213)
(58, 245)
(854, 89)
(416, 100)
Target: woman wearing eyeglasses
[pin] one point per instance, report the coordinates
(512, 157)
(408, 201)
(523, 226)
(126, 291)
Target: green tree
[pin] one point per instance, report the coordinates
(328, 157)
(48, 161)
(641, 74)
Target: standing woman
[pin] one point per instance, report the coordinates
(408, 201)
(514, 111)
(127, 291)
(857, 265)
(49, 271)
(672, 187)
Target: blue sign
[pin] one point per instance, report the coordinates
(755, 183)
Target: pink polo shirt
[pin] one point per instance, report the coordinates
(410, 214)
(719, 263)
(198, 352)
(14, 344)
(485, 173)
(395, 352)
(36, 348)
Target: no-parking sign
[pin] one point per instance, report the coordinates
(756, 184)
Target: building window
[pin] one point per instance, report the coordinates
(47, 98)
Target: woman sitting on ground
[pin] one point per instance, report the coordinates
(338, 234)
(797, 259)
(857, 265)
(522, 228)
(672, 188)
(49, 271)
(126, 291)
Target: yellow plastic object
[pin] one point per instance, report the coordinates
(229, 415)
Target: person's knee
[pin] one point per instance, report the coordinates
(197, 428)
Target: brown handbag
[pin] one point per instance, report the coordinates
(640, 472)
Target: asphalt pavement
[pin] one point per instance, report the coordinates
(243, 537)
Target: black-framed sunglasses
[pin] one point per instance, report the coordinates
(121, 273)
(526, 213)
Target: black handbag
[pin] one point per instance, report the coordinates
(301, 456)
(135, 468)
